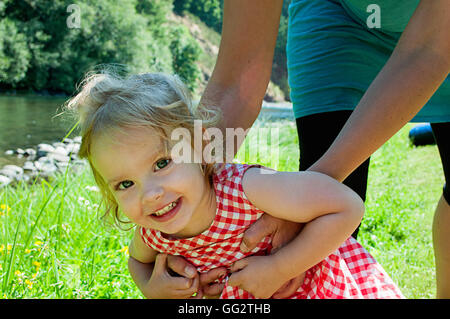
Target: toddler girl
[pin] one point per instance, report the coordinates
(201, 210)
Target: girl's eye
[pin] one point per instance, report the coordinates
(124, 185)
(162, 163)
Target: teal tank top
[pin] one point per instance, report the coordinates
(394, 14)
(333, 55)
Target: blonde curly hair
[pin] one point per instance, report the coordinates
(108, 101)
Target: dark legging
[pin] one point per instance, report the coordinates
(317, 132)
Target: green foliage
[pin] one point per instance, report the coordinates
(209, 11)
(185, 52)
(39, 50)
(14, 53)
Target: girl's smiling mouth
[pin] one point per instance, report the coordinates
(167, 212)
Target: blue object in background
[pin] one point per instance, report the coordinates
(422, 134)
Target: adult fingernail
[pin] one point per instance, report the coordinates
(190, 272)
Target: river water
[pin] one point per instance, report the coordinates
(27, 120)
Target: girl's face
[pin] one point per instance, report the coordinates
(150, 188)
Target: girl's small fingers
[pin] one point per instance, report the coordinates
(213, 291)
(212, 275)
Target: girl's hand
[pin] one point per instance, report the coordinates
(162, 285)
(256, 275)
(209, 287)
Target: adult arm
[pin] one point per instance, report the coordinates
(237, 87)
(331, 210)
(244, 62)
(417, 67)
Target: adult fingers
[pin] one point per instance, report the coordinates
(257, 231)
(193, 288)
(289, 288)
(182, 283)
(160, 264)
(238, 265)
(181, 266)
(235, 279)
(284, 232)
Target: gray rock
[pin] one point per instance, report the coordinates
(73, 148)
(59, 157)
(59, 144)
(44, 149)
(47, 169)
(30, 152)
(60, 151)
(12, 171)
(29, 166)
(4, 180)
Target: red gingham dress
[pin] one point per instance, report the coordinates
(349, 272)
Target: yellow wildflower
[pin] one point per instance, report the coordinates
(124, 250)
(38, 243)
(4, 209)
(2, 248)
(27, 251)
(9, 247)
(37, 264)
(18, 273)
(29, 283)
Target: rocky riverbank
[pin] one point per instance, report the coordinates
(43, 161)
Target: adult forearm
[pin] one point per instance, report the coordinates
(141, 273)
(242, 71)
(415, 70)
(397, 94)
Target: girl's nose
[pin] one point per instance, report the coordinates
(152, 193)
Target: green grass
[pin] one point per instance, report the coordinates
(53, 244)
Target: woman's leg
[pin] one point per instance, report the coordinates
(316, 133)
(441, 221)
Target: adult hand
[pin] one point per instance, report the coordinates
(208, 287)
(163, 285)
(282, 232)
